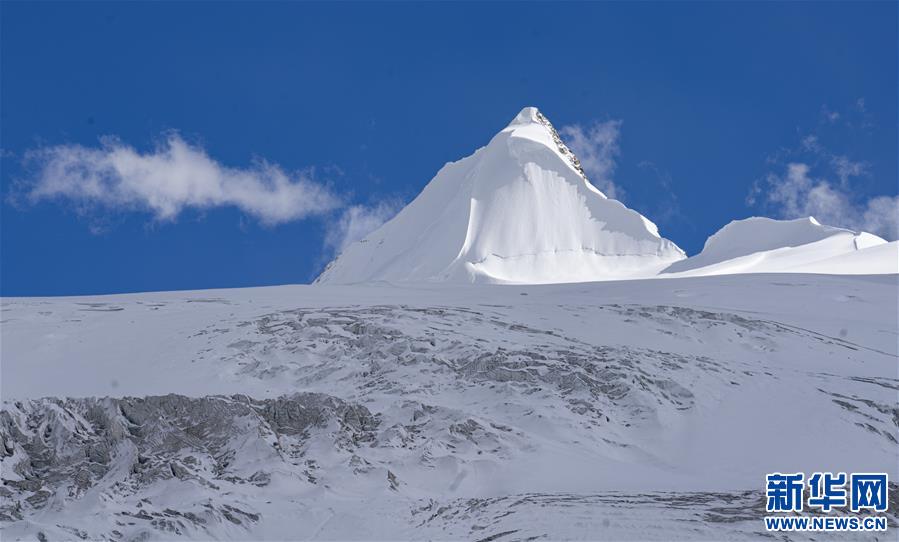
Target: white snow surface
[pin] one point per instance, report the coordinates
(519, 210)
(641, 409)
(765, 245)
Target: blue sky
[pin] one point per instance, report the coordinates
(697, 113)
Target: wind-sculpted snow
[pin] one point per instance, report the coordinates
(618, 516)
(764, 245)
(519, 210)
(454, 348)
(633, 410)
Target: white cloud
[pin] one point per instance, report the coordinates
(596, 146)
(829, 116)
(796, 193)
(812, 144)
(357, 221)
(173, 177)
(812, 180)
(846, 169)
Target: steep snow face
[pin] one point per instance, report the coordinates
(764, 245)
(519, 210)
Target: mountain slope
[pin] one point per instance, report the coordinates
(619, 410)
(519, 210)
(764, 245)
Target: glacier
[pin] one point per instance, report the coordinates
(642, 409)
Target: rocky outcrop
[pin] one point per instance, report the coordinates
(55, 450)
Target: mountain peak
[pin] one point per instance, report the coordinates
(518, 210)
(530, 122)
(528, 115)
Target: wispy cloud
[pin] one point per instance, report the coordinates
(811, 180)
(829, 116)
(596, 146)
(796, 193)
(169, 179)
(846, 169)
(357, 221)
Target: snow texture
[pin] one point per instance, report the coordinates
(642, 409)
(522, 211)
(764, 245)
(519, 210)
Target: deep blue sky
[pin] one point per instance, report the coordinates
(385, 94)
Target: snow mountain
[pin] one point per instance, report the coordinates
(764, 245)
(519, 210)
(484, 377)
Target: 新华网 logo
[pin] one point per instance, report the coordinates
(854, 500)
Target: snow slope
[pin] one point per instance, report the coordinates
(519, 210)
(641, 409)
(764, 245)
(877, 259)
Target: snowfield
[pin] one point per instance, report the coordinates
(646, 409)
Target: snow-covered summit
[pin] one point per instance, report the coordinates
(803, 245)
(519, 210)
